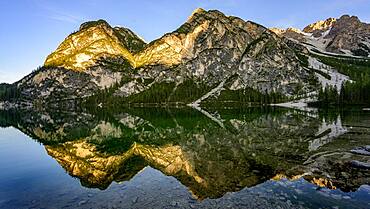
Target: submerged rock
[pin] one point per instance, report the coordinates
(362, 150)
(361, 165)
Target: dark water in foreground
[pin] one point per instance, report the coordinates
(184, 158)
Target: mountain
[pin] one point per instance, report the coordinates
(209, 52)
(319, 27)
(346, 35)
(95, 40)
(349, 34)
(213, 50)
(210, 59)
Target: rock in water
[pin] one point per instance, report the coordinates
(361, 165)
(362, 150)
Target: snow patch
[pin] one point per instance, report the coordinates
(196, 104)
(301, 104)
(336, 79)
(213, 118)
(336, 129)
(320, 43)
(326, 32)
(347, 52)
(210, 93)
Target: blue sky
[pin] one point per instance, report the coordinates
(32, 29)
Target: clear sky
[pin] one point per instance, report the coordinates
(32, 29)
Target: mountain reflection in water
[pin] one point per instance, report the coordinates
(251, 146)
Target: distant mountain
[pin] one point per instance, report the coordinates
(318, 28)
(346, 35)
(211, 58)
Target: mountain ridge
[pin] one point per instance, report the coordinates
(212, 57)
(345, 35)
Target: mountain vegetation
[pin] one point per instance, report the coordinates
(354, 92)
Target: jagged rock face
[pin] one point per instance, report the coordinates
(319, 27)
(292, 33)
(211, 47)
(277, 63)
(76, 69)
(349, 33)
(346, 35)
(129, 39)
(51, 84)
(203, 32)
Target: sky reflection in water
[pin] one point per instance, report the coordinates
(261, 158)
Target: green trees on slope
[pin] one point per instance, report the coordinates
(356, 92)
(248, 96)
(352, 93)
(8, 92)
(168, 93)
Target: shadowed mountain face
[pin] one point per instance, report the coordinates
(243, 149)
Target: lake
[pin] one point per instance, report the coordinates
(257, 157)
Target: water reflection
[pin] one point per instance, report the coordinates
(245, 148)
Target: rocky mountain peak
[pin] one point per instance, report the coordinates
(213, 47)
(277, 31)
(203, 30)
(346, 22)
(94, 41)
(195, 12)
(350, 36)
(319, 27)
(345, 35)
(94, 23)
(292, 33)
(97, 39)
(347, 17)
(132, 42)
(296, 30)
(198, 17)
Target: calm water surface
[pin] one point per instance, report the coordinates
(185, 158)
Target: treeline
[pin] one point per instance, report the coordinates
(9, 92)
(248, 96)
(158, 93)
(186, 92)
(356, 69)
(355, 92)
(351, 93)
(103, 95)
